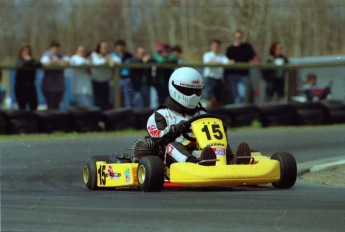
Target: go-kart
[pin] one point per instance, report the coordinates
(145, 168)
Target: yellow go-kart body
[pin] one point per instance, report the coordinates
(262, 171)
(208, 131)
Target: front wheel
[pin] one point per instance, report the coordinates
(90, 172)
(151, 174)
(288, 170)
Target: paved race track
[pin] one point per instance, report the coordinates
(42, 190)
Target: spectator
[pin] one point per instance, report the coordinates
(53, 83)
(314, 92)
(161, 75)
(141, 79)
(82, 87)
(214, 76)
(2, 91)
(275, 79)
(176, 53)
(25, 89)
(101, 76)
(239, 51)
(125, 82)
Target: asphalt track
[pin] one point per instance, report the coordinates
(42, 190)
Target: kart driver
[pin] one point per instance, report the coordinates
(167, 123)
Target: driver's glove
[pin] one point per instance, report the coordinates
(174, 132)
(177, 129)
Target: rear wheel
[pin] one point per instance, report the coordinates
(151, 174)
(90, 171)
(288, 170)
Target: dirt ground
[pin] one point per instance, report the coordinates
(334, 176)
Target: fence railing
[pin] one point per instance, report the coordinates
(291, 70)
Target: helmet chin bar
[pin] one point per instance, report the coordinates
(190, 102)
(193, 101)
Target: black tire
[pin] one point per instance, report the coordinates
(151, 174)
(243, 115)
(20, 121)
(90, 171)
(311, 113)
(335, 111)
(85, 119)
(278, 114)
(223, 114)
(118, 119)
(53, 120)
(3, 123)
(288, 170)
(141, 116)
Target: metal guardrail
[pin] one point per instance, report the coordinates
(195, 65)
(290, 68)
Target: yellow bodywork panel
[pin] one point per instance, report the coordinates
(116, 175)
(263, 171)
(210, 132)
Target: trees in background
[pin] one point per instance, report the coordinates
(304, 27)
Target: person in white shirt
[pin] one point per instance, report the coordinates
(81, 87)
(101, 76)
(214, 76)
(53, 82)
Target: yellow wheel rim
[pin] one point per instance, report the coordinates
(141, 174)
(86, 174)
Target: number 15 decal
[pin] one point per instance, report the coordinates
(216, 132)
(101, 173)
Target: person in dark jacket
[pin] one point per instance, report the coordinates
(239, 52)
(141, 79)
(2, 91)
(53, 83)
(25, 89)
(125, 82)
(275, 79)
(161, 75)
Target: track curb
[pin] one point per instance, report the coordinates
(318, 165)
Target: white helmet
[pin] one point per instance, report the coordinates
(185, 87)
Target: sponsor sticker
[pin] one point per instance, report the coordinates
(113, 175)
(219, 151)
(153, 131)
(216, 144)
(128, 175)
(194, 85)
(169, 149)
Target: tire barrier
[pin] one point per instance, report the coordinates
(85, 119)
(335, 111)
(278, 115)
(223, 113)
(140, 117)
(20, 122)
(3, 124)
(118, 119)
(81, 119)
(52, 120)
(311, 113)
(243, 115)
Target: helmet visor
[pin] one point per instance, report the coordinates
(188, 91)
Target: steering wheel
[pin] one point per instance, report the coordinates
(190, 121)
